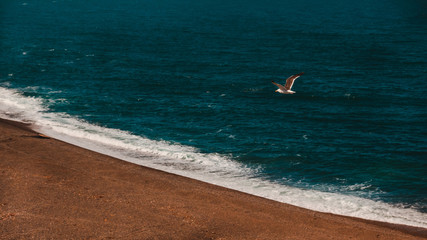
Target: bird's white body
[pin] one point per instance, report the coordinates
(289, 83)
(285, 92)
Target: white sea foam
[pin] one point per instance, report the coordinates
(188, 161)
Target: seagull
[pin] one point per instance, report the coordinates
(289, 82)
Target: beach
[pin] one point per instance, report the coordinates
(54, 190)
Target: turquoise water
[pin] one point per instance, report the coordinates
(185, 86)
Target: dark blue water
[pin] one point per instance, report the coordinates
(199, 73)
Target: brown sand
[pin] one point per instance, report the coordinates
(53, 190)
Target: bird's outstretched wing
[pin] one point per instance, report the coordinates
(290, 81)
(281, 87)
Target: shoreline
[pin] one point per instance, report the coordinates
(52, 189)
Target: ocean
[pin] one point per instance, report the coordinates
(185, 86)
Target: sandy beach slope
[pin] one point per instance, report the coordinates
(53, 190)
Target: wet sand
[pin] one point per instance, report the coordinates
(54, 190)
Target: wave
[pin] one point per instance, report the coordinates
(188, 161)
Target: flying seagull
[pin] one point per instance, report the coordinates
(289, 82)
